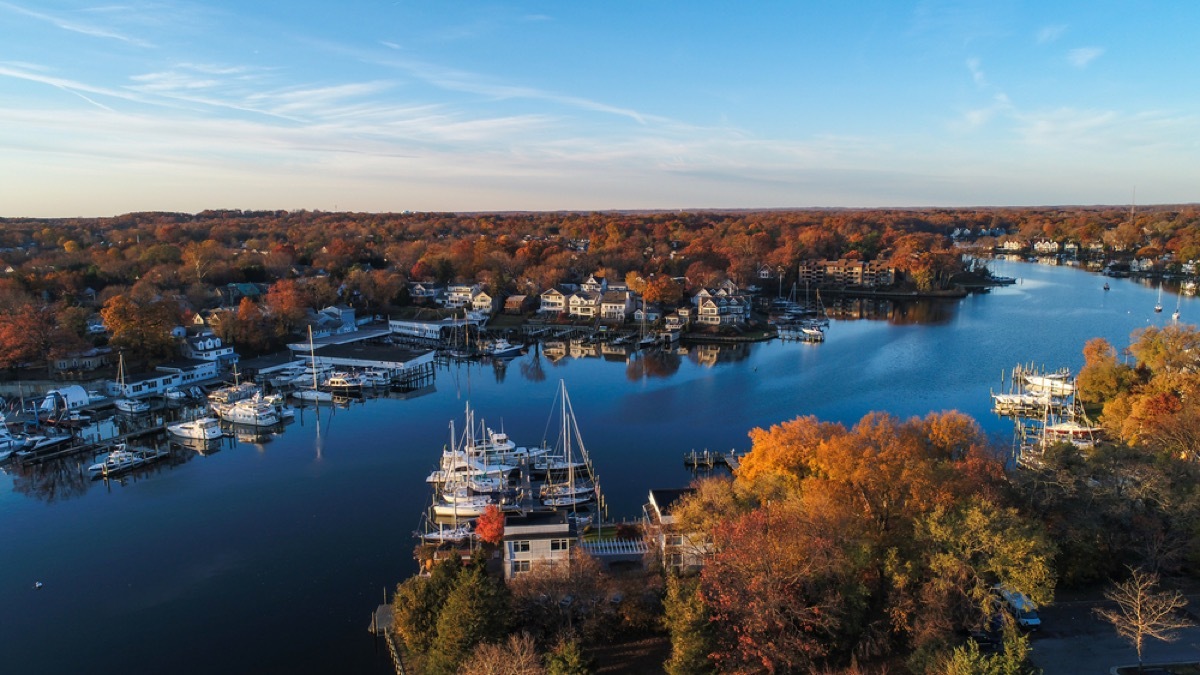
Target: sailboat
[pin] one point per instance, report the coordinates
(314, 394)
(1175, 314)
(569, 479)
(646, 339)
(125, 404)
(1158, 305)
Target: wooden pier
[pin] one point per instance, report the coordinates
(711, 459)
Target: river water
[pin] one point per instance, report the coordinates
(270, 556)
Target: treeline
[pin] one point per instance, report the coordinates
(51, 265)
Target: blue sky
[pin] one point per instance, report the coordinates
(464, 106)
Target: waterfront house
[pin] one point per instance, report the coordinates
(190, 371)
(584, 304)
(460, 295)
(518, 304)
(648, 313)
(615, 306)
(678, 551)
(537, 539)
(553, 301)
(483, 302)
(1045, 247)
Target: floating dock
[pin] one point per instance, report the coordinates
(711, 459)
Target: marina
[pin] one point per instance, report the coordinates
(284, 535)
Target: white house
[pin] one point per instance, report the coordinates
(616, 306)
(203, 345)
(1046, 246)
(483, 302)
(459, 295)
(584, 304)
(426, 292)
(553, 301)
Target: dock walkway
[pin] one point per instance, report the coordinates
(710, 459)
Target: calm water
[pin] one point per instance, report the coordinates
(271, 556)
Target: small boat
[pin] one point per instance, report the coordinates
(204, 429)
(1106, 285)
(124, 404)
(447, 535)
(175, 395)
(314, 395)
(1158, 305)
(120, 459)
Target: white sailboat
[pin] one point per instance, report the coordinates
(575, 483)
(1178, 301)
(314, 394)
(1158, 305)
(124, 403)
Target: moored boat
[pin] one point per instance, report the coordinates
(204, 428)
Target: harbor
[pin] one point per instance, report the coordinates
(285, 535)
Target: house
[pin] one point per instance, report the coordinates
(204, 345)
(482, 301)
(647, 313)
(615, 306)
(518, 304)
(232, 294)
(594, 285)
(677, 550)
(82, 361)
(1013, 245)
(584, 304)
(767, 272)
(1045, 247)
(553, 301)
(460, 295)
(535, 540)
(426, 293)
(720, 307)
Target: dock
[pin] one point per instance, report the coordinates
(381, 626)
(711, 459)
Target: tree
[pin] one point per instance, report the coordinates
(1144, 612)
(144, 328)
(1102, 376)
(418, 603)
(567, 659)
(489, 527)
(475, 611)
(687, 620)
(516, 656)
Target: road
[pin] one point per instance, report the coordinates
(1074, 641)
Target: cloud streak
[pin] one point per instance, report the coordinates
(90, 30)
(1083, 56)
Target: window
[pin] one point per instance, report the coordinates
(560, 544)
(519, 566)
(520, 547)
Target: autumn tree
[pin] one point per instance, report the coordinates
(1143, 612)
(518, 655)
(144, 328)
(288, 303)
(418, 603)
(689, 623)
(489, 527)
(1102, 377)
(204, 258)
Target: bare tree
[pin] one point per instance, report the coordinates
(517, 656)
(1143, 611)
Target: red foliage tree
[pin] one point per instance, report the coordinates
(490, 526)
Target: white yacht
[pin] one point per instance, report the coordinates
(120, 459)
(204, 429)
(343, 381)
(502, 347)
(254, 412)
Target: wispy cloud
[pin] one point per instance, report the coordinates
(974, 65)
(83, 28)
(1048, 34)
(1081, 57)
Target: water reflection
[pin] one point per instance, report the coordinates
(898, 312)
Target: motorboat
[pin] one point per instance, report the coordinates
(343, 381)
(204, 429)
(502, 347)
(120, 459)
(175, 395)
(314, 395)
(254, 412)
(233, 393)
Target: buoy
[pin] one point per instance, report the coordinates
(37, 585)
